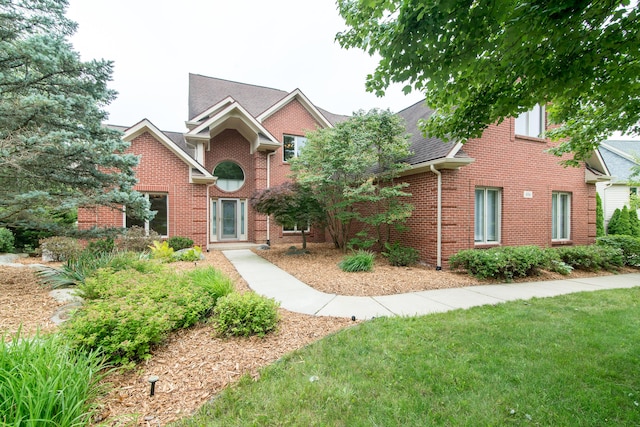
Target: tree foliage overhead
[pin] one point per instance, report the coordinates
(479, 62)
(351, 170)
(55, 154)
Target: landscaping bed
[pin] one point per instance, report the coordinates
(193, 365)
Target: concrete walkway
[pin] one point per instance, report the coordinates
(268, 280)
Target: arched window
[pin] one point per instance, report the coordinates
(230, 176)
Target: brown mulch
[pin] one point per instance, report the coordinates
(194, 365)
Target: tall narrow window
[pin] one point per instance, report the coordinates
(561, 214)
(292, 145)
(160, 222)
(487, 215)
(531, 123)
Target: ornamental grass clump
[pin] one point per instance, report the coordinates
(43, 381)
(359, 261)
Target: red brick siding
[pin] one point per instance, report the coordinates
(514, 165)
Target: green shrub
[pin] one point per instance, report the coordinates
(128, 312)
(161, 251)
(6, 240)
(399, 255)
(599, 216)
(503, 263)
(592, 257)
(44, 382)
(245, 314)
(134, 261)
(359, 261)
(179, 242)
(630, 247)
(136, 239)
(191, 254)
(61, 248)
(101, 246)
(76, 270)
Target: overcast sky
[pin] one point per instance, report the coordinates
(283, 44)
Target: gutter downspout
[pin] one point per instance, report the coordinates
(269, 186)
(439, 220)
(209, 216)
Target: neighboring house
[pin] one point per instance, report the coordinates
(501, 189)
(620, 158)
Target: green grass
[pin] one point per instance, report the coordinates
(45, 383)
(569, 360)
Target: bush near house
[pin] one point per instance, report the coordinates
(61, 248)
(629, 245)
(6, 240)
(592, 257)
(245, 314)
(178, 242)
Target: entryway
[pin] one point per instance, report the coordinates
(228, 220)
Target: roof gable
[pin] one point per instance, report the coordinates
(146, 126)
(296, 95)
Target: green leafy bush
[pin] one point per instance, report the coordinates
(161, 251)
(592, 257)
(359, 261)
(44, 382)
(61, 248)
(179, 242)
(136, 239)
(399, 255)
(630, 247)
(6, 240)
(128, 312)
(503, 263)
(245, 314)
(101, 246)
(134, 261)
(191, 254)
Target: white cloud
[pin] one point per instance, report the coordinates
(284, 44)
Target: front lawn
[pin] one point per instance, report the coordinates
(569, 360)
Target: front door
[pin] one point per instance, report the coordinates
(228, 220)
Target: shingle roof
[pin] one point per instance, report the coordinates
(423, 149)
(207, 91)
(618, 156)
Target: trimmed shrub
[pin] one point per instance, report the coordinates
(128, 312)
(61, 248)
(634, 222)
(592, 257)
(6, 240)
(630, 247)
(399, 255)
(612, 227)
(245, 314)
(179, 242)
(503, 263)
(44, 382)
(359, 261)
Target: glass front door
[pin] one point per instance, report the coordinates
(228, 219)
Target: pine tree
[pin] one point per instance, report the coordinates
(612, 228)
(599, 216)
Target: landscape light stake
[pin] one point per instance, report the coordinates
(153, 379)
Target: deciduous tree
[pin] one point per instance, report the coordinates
(480, 62)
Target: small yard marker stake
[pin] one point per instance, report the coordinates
(153, 379)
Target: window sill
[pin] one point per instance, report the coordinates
(531, 138)
(486, 245)
(561, 242)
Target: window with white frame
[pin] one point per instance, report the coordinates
(531, 123)
(295, 229)
(487, 215)
(561, 215)
(160, 222)
(292, 145)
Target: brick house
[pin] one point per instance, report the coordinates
(501, 189)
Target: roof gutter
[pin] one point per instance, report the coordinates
(439, 220)
(439, 164)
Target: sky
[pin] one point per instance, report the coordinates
(282, 44)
